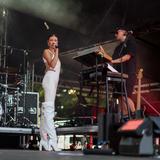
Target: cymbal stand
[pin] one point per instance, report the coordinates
(6, 113)
(5, 98)
(16, 105)
(5, 122)
(25, 121)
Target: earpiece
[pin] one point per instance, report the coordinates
(125, 34)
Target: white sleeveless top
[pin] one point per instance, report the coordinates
(58, 64)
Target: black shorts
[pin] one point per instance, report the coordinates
(130, 85)
(130, 82)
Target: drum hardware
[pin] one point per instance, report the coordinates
(5, 93)
(1, 112)
(11, 115)
(9, 102)
(12, 85)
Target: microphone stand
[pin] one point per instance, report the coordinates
(25, 83)
(25, 72)
(122, 84)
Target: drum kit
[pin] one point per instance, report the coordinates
(11, 88)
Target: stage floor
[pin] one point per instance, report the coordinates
(43, 155)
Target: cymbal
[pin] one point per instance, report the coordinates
(9, 70)
(10, 74)
(8, 86)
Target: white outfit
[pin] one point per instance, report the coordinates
(49, 83)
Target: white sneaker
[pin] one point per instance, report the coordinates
(43, 145)
(53, 146)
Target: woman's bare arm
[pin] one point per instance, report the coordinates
(47, 56)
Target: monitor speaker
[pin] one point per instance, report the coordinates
(136, 137)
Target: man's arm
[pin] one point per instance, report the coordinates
(122, 59)
(104, 54)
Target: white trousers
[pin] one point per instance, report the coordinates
(47, 128)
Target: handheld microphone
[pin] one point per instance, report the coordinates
(130, 32)
(46, 25)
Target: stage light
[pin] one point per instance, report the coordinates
(71, 91)
(62, 107)
(64, 90)
(4, 12)
(58, 95)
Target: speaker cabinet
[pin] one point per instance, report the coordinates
(137, 138)
(28, 108)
